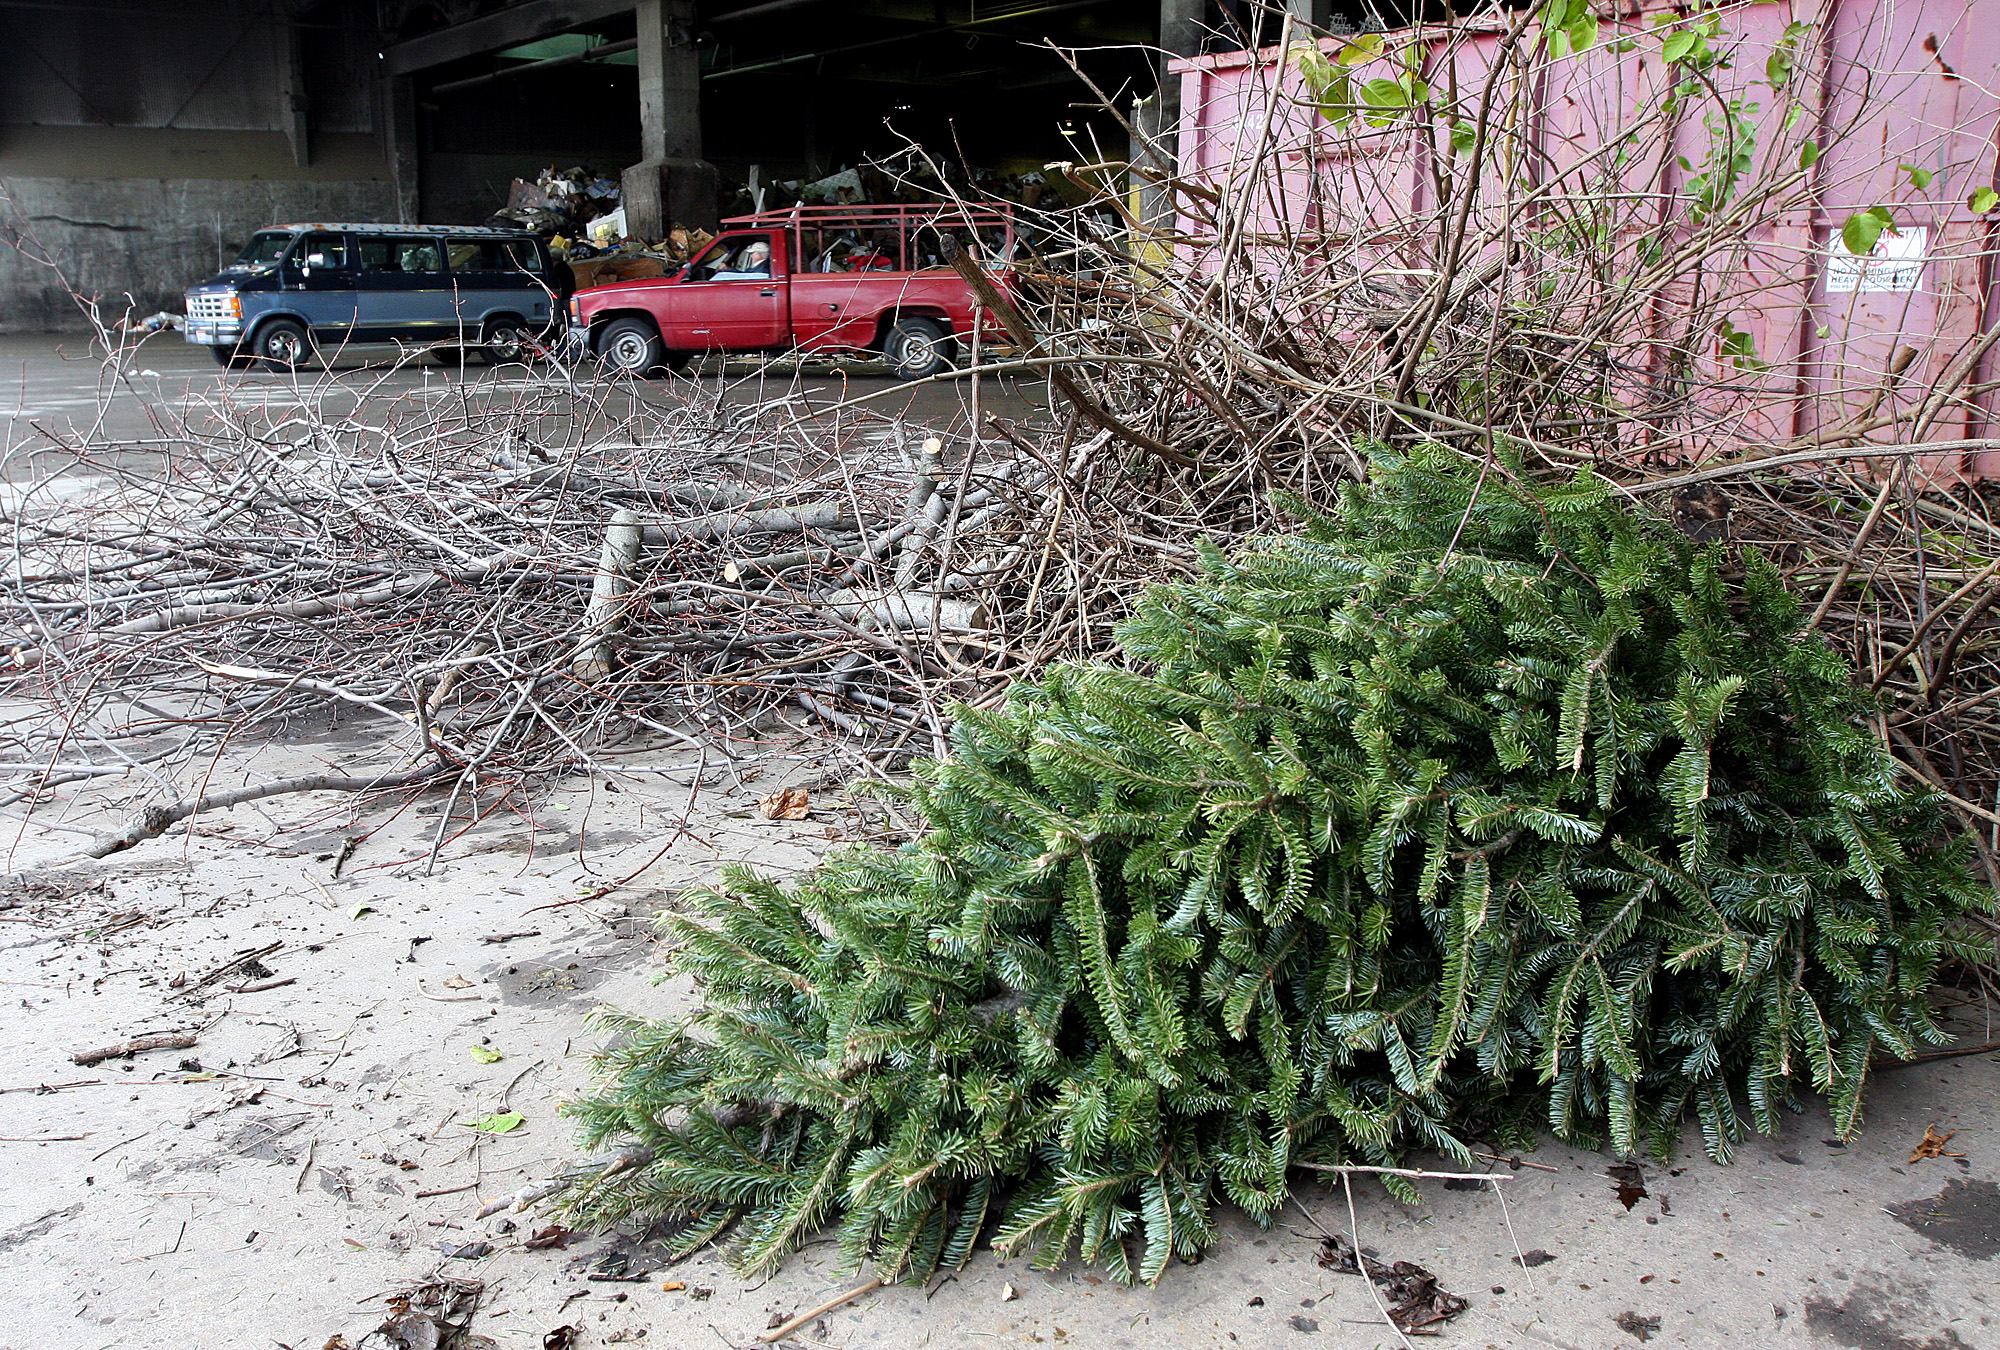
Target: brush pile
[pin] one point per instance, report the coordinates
(511, 586)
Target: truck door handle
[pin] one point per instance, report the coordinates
(767, 292)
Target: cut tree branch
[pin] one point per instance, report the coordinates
(155, 821)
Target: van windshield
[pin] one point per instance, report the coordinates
(263, 250)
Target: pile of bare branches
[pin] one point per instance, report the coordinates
(1906, 582)
(1488, 233)
(514, 580)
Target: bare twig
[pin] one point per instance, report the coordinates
(165, 1040)
(784, 1329)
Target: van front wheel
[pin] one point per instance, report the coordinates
(507, 341)
(916, 348)
(283, 345)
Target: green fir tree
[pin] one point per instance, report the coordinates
(1477, 807)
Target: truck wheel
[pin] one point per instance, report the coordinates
(283, 345)
(915, 348)
(631, 347)
(507, 341)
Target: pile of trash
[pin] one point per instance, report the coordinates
(561, 201)
(629, 259)
(582, 215)
(163, 322)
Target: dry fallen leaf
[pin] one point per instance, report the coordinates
(1932, 1145)
(458, 982)
(555, 1235)
(790, 803)
(672, 1285)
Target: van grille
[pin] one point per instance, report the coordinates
(211, 306)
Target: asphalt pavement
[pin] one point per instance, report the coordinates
(58, 391)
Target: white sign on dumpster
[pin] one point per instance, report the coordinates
(1895, 264)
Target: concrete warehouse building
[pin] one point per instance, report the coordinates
(141, 141)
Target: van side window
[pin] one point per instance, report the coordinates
(323, 251)
(397, 256)
(419, 255)
(489, 255)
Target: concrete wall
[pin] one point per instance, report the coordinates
(140, 242)
(141, 143)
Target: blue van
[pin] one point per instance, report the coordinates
(488, 293)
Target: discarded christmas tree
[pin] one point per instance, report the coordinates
(1479, 807)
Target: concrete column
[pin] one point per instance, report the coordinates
(1317, 13)
(399, 127)
(294, 114)
(1182, 26)
(673, 184)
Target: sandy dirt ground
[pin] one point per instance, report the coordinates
(310, 1154)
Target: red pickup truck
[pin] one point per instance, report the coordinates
(837, 280)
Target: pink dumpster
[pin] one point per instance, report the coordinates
(1838, 109)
